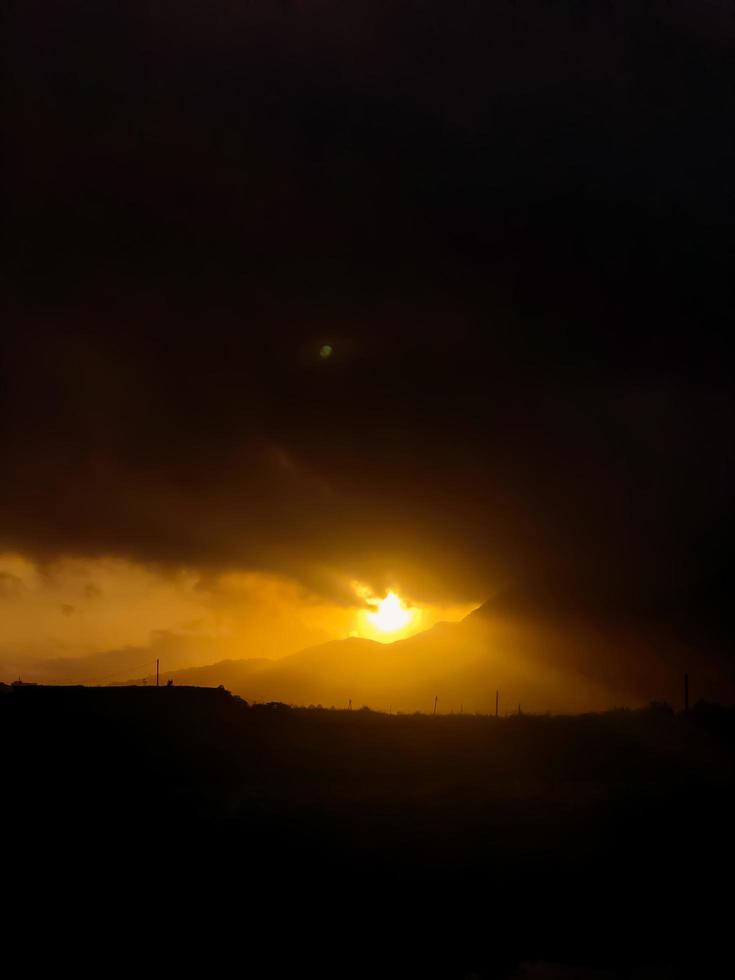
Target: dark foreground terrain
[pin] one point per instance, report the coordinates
(179, 828)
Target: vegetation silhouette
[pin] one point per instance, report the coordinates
(382, 844)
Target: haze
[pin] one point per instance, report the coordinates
(308, 304)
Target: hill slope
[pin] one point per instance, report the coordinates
(464, 664)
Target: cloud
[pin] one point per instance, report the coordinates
(11, 586)
(139, 614)
(515, 244)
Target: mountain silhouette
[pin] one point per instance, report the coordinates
(464, 664)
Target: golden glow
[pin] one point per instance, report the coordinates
(389, 618)
(88, 620)
(391, 614)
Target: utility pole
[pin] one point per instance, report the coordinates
(497, 695)
(686, 693)
(157, 665)
(349, 705)
(436, 698)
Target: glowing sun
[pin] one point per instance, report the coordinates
(390, 614)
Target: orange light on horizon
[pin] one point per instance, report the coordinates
(386, 619)
(391, 614)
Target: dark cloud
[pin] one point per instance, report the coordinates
(512, 222)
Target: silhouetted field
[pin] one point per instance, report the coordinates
(290, 842)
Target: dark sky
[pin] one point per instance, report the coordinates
(513, 222)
